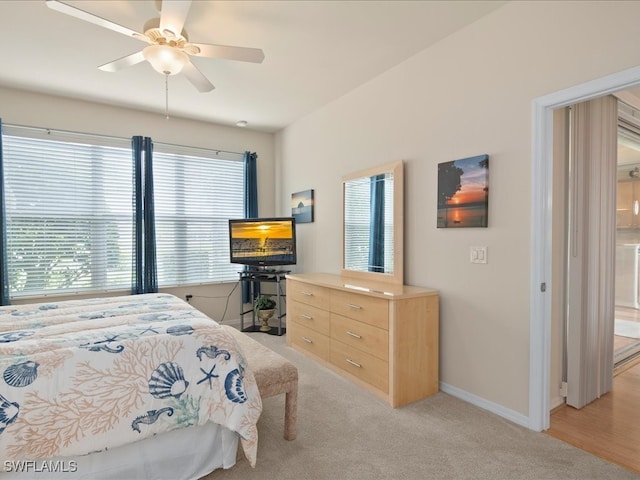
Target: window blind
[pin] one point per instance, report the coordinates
(68, 210)
(196, 193)
(357, 218)
(69, 207)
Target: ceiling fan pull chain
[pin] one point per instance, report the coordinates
(166, 96)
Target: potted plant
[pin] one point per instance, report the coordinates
(264, 306)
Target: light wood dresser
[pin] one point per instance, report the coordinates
(382, 337)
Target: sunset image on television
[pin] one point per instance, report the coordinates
(262, 241)
(463, 192)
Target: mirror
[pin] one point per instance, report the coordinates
(372, 223)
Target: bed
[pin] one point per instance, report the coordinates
(142, 386)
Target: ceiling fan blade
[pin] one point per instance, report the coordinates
(242, 54)
(196, 77)
(89, 17)
(173, 15)
(123, 62)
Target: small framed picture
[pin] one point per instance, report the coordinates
(302, 206)
(463, 193)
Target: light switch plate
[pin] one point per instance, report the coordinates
(478, 254)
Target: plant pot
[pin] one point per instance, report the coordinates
(265, 315)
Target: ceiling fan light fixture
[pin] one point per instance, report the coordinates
(165, 59)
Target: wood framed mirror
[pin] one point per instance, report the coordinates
(373, 224)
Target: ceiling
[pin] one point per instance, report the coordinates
(315, 52)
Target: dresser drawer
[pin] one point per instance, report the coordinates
(309, 294)
(308, 340)
(366, 367)
(370, 339)
(309, 316)
(371, 310)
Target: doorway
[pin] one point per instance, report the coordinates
(605, 427)
(542, 178)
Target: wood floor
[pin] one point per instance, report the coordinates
(608, 427)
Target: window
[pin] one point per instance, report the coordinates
(69, 212)
(196, 193)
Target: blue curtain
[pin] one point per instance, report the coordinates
(150, 263)
(250, 204)
(145, 274)
(250, 185)
(376, 230)
(4, 270)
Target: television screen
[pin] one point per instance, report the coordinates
(263, 241)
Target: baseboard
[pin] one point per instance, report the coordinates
(480, 402)
(556, 403)
(557, 408)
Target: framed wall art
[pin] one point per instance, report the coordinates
(463, 193)
(302, 206)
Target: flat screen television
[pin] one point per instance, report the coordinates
(263, 242)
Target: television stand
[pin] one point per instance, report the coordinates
(265, 272)
(257, 276)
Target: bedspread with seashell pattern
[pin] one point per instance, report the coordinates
(82, 376)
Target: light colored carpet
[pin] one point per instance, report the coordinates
(344, 433)
(625, 328)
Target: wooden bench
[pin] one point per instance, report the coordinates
(274, 375)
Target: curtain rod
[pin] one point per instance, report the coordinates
(48, 131)
(216, 150)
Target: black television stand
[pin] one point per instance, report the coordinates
(255, 276)
(265, 272)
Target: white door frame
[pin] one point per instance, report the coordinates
(541, 210)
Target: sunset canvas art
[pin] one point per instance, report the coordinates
(463, 193)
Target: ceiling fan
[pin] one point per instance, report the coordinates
(169, 47)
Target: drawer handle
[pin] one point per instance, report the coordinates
(308, 340)
(351, 305)
(354, 363)
(308, 294)
(355, 335)
(306, 317)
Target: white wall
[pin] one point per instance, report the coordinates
(31, 109)
(470, 94)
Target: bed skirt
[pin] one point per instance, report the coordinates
(183, 454)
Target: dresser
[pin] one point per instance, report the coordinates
(382, 337)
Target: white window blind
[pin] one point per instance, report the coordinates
(68, 210)
(196, 193)
(357, 218)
